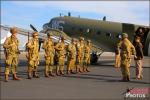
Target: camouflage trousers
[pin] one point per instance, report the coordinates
(125, 68)
(71, 64)
(61, 63)
(33, 65)
(117, 60)
(49, 61)
(86, 60)
(11, 62)
(79, 61)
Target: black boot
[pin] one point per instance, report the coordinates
(128, 78)
(35, 74)
(29, 75)
(51, 74)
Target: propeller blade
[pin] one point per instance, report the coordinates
(33, 28)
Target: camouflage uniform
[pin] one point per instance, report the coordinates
(80, 54)
(71, 57)
(11, 53)
(127, 49)
(117, 55)
(48, 46)
(87, 51)
(60, 52)
(33, 55)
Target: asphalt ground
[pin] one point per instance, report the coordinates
(101, 83)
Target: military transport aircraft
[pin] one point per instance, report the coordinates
(104, 34)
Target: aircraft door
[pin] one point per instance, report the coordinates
(129, 29)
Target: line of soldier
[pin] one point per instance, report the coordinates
(77, 53)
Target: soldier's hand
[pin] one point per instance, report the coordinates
(135, 57)
(117, 68)
(19, 52)
(13, 44)
(27, 43)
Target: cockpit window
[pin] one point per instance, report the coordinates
(98, 32)
(81, 30)
(73, 28)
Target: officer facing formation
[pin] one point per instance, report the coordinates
(33, 55)
(127, 49)
(11, 53)
(71, 57)
(87, 51)
(48, 46)
(117, 53)
(80, 55)
(60, 53)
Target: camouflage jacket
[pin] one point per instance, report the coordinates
(33, 49)
(60, 49)
(71, 51)
(11, 46)
(127, 49)
(48, 46)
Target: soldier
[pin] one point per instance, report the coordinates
(60, 52)
(11, 53)
(138, 60)
(33, 55)
(87, 56)
(117, 53)
(48, 46)
(71, 57)
(127, 49)
(80, 55)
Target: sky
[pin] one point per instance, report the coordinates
(23, 13)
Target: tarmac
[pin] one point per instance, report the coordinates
(101, 83)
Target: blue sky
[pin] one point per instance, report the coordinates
(23, 13)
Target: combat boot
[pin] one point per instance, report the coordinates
(51, 73)
(72, 72)
(87, 70)
(6, 77)
(61, 73)
(57, 73)
(83, 70)
(29, 75)
(35, 74)
(68, 72)
(80, 71)
(46, 74)
(15, 77)
(128, 78)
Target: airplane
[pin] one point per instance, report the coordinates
(103, 34)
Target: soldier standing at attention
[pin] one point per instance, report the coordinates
(138, 60)
(48, 46)
(127, 49)
(11, 54)
(60, 50)
(33, 55)
(117, 54)
(87, 55)
(80, 55)
(71, 57)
